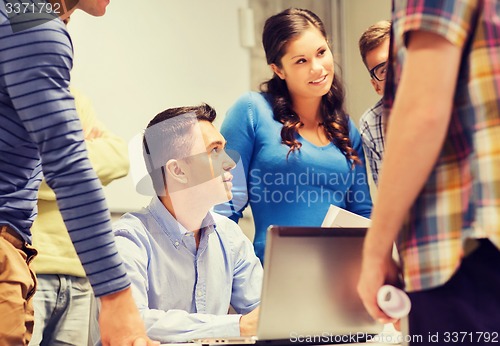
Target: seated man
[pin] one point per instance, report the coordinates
(187, 264)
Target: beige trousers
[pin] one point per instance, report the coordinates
(17, 287)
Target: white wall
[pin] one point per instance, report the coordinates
(145, 56)
(357, 16)
(138, 60)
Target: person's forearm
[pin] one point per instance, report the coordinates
(120, 322)
(417, 128)
(108, 155)
(181, 326)
(405, 171)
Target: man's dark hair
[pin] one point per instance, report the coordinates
(169, 136)
(373, 37)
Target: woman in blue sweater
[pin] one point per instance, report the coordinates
(299, 150)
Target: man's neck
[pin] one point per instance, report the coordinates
(187, 211)
(65, 12)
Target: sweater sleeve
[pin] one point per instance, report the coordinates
(107, 153)
(238, 129)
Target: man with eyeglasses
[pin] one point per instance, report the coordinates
(374, 49)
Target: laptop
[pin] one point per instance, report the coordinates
(309, 291)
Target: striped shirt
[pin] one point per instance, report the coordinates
(461, 198)
(371, 129)
(39, 126)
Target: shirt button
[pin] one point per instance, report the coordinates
(200, 293)
(176, 243)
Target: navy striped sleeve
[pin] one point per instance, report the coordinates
(38, 121)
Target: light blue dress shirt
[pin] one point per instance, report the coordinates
(182, 292)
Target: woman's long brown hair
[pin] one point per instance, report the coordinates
(279, 30)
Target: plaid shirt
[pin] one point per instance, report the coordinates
(371, 128)
(461, 198)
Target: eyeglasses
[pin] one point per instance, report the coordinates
(379, 71)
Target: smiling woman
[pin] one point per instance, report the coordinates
(297, 123)
(308, 96)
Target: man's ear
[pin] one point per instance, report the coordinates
(175, 171)
(278, 71)
(377, 87)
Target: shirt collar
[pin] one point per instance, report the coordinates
(173, 229)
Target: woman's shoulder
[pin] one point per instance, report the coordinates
(254, 99)
(354, 134)
(353, 130)
(256, 105)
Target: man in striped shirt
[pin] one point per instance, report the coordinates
(40, 131)
(439, 192)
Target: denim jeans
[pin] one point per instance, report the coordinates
(62, 310)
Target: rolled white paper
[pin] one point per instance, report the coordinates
(393, 302)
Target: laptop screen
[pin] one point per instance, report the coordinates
(309, 287)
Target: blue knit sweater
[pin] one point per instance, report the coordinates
(294, 192)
